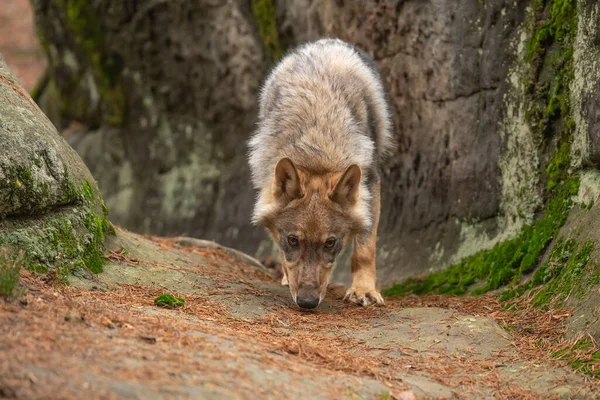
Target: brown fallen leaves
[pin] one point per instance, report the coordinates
(84, 320)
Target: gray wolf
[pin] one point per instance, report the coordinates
(323, 127)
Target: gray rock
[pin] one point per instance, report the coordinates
(38, 169)
(50, 206)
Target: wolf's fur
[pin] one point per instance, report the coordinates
(324, 110)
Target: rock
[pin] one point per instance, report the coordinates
(38, 169)
(50, 206)
(583, 293)
(236, 254)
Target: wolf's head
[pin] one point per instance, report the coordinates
(312, 216)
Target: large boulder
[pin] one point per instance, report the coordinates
(50, 206)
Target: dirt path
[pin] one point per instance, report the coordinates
(240, 336)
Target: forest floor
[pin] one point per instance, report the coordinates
(239, 335)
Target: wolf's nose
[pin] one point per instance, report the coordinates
(307, 302)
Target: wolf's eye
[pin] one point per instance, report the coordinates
(330, 243)
(293, 241)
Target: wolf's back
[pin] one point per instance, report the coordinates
(325, 107)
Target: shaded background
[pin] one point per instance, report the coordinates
(19, 44)
(159, 98)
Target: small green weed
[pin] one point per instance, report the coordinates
(9, 274)
(169, 301)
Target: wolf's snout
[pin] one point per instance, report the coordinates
(307, 302)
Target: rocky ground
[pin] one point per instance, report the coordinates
(239, 335)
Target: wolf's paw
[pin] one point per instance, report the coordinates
(363, 296)
(284, 281)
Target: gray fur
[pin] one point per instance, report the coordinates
(323, 106)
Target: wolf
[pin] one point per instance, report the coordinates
(323, 127)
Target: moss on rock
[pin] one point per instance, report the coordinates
(63, 239)
(505, 262)
(50, 207)
(567, 272)
(557, 169)
(25, 191)
(265, 15)
(549, 55)
(88, 35)
(583, 356)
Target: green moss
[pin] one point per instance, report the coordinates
(567, 272)
(67, 187)
(265, 14)
(560, 24)
(557, 170)
(64, 239)
(563, 273)
(81, 21)
(104, 209)
(22, 194)
(548, 114)
(587, 206)
(550, 48)
(88, 190)
(169, 301)
(22, 190)
(385, 396)
(583, 356)
(9, 274)
(98, 226)
(505, 262)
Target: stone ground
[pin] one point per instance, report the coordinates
(240, 336)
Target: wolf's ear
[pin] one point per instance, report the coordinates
(287, 180)
(346, 189)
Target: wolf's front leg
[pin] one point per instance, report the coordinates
(363, 290)
(364, 277)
